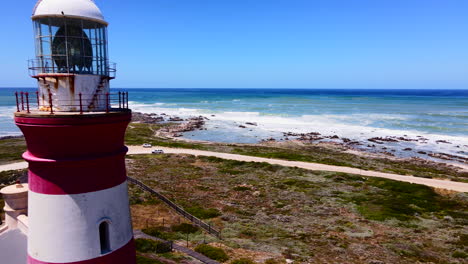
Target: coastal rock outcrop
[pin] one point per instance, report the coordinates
(146, 118)
(191, 124)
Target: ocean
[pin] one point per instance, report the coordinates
(357, 114)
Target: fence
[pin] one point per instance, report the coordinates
(109, 100)
(178, 209)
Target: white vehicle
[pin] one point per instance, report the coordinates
(157, 151)
(147, 145)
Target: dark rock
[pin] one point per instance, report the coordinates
(146, 118)
(175, 119)
(443, 141)
(10, 137)
(380, 140)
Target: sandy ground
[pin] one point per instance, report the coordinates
(443, 184)
(14, 166)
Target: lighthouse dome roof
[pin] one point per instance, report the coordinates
(85, 9)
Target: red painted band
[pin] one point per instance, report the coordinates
(74, 119)
(74, 176)
(64, 140)
(123, 255)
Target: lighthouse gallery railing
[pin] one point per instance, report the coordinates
(26, 101)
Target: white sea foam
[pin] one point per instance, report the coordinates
(7, 111)
(7, 126)
(353, 126)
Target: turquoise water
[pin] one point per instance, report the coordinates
(352, 113)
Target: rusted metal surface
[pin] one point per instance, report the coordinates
(65, 90)
(17, 101)
(27, 102)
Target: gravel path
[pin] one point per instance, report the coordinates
(443, 184)
(14, 166)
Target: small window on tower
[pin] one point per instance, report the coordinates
(104, 237)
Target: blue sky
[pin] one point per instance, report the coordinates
(268, 43)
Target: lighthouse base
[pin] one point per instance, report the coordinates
(78, 196)
(124, 255)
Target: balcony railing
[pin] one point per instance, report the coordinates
(50, 103)
(44, 66)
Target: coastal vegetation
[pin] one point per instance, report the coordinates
(277, 213)
(139, 133)
(212, 252)
(145, 260)
(11, 149)
(147, 245)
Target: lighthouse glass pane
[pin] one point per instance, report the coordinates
(55, 24)
(70, 46)
(45, 46)
(45, 30)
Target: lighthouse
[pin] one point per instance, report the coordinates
(78, 208)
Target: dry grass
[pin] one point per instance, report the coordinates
(311, 217)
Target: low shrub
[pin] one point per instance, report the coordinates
(459, 254)
(145, 260)
(203, 213)
(153, 231)
(212, 252)
(242, 261)
(159, 233)
(147, 245)
(185, 228)
(274, 261)
(241, 188)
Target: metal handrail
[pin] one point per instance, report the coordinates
(178, 209)
(44, 66)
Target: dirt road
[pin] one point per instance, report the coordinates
(444, 184)
(14, 166)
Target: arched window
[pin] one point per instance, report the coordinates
(104, 237)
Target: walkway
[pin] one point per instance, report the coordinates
(443, 184)
(188, 251)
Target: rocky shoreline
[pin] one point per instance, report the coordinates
(177, 127)
(377, 145)
(389, 146)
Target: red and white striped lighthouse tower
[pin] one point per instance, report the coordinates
(78, 199)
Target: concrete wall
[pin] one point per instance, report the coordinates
(65, 92)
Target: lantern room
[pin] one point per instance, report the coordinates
(71, 61)
(71, 45)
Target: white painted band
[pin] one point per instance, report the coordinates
(65, 228)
